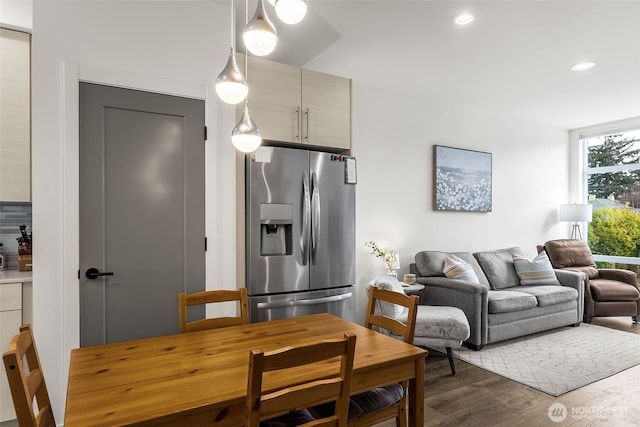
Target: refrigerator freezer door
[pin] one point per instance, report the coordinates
(275, 186)
(333, 208)
(339, 302)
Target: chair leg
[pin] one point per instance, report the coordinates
(636, 319)
(450, 356)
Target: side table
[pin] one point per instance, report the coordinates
(415, 289)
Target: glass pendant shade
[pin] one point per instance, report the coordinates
(259, 34)
(291, 11)
(246, 136)
(231, 85)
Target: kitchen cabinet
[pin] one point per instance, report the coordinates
(290, 104)
(15, 116)
(10, 321)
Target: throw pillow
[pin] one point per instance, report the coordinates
(538, 271)
(455, 268)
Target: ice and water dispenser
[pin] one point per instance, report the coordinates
(276, 225)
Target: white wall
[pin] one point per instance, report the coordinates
(128, 44)
(393, 138)
(16, 14)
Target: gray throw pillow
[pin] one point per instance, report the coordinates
(498, 267)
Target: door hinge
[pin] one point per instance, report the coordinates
(205, 133)
(205, 244)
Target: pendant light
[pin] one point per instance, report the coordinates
(290, 11)
(259, 34)
(231, 85)
(246, 136)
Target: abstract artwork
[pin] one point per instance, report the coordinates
(462, 180)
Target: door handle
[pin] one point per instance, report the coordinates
(94, 273)
(306, 219)
(315, 217)
(306, 114)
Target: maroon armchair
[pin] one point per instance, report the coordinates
(608, 291)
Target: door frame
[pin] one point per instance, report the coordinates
(72, 73)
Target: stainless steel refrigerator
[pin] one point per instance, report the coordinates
(300, 233)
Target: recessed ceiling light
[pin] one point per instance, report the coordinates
(582, 66)
(463, 19)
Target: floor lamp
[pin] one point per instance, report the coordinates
(576, 213)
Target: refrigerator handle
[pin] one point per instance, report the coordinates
(315, 216)
(306, 218)
(312, 301)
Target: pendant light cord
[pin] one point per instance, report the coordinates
(233, 27)
(246, 52)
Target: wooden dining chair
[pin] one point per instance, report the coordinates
(292, 396)
(378, 404)
(208, 297)
(26, 381)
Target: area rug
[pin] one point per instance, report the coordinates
(558, 361)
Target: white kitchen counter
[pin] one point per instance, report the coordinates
(13, 276)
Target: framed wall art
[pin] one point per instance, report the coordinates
(462, 180)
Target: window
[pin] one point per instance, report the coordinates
(612, 183)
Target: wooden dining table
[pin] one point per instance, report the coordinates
(200, 378)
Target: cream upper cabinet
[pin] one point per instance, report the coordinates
(326, 115)
(15, 120)
(290, 104)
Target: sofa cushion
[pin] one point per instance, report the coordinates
(538, 271)
(498, 267)
(455, 268)
(431, 264)
(441, 322)
(611, 290)
(550, 295)
(507, 301)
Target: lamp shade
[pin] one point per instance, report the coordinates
(575, 213)
(231, 85)
(291, 11)
(246, 136)
(259, 34)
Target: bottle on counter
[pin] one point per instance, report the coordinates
(3, 258)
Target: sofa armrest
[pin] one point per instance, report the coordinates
(575, 280)
(471, 298)
(620, 275)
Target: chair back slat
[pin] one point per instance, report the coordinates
(210, 297)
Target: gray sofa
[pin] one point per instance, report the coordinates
(499, 307)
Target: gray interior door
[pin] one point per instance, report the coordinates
(141, 211)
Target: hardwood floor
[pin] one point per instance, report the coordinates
(475, 397)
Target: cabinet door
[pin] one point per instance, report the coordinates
(274, 98)
(10, 321)
(15, 128)
(326, 104)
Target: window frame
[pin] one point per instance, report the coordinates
(582, 137)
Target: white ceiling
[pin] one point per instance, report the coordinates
(512, 60)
